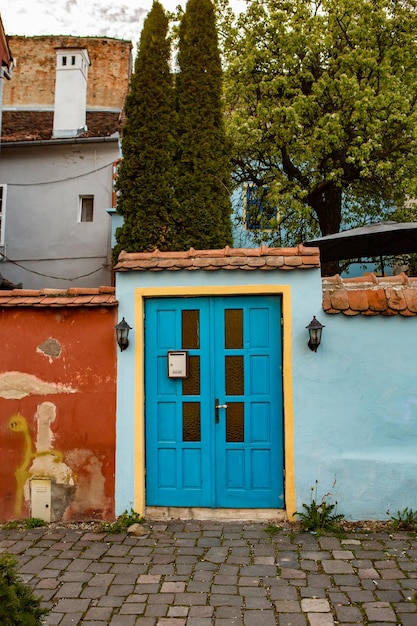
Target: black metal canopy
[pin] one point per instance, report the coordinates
(375, 240)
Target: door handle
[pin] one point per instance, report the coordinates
(218, 406)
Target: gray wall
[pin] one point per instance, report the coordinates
(45, 243)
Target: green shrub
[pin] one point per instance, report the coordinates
(18, 605)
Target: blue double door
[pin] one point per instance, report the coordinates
(214, 425)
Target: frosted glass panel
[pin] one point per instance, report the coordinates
(191, 430)
(234, 375)
(235, 422)
(191, 384)
(233, 323)
(191, 329)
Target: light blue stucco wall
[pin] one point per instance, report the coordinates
(356, 422)
(354, 401)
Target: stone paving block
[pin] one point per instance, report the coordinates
(98, 613)
(320, 619)
(159, 598)
(72, 619)
(283, 592)
(35, 565)
(225, 600)
(292, 573)
(256, 618)
(261, 604)
(342, 554)
(72, 605)
(197, 586)
(369, 572)
(178, 611)
(69, 590)
(201, 611)
(337, 567)
(258, 570)
(93, 592)
(288, 606)
(315, 605)
(292, 619)
(379, 612)
(188, 599)
(132, 608)
(156, 610)
(407, 619)
(224, 589)
(349, 614)
(172, 587)
(228, 612)
(124, 620)
(312, 592)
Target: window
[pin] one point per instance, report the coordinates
(64, 60)
(3, 189)
(86, 208)
(259, 212)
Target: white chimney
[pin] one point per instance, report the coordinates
(70, 92)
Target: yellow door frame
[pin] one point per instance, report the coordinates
(220, 290)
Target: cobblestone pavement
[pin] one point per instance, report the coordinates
(203, 573)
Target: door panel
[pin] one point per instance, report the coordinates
(214, 439)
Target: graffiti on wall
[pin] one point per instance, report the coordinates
(77, 480)
(44, 460)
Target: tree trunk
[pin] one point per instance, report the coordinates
(328, 206)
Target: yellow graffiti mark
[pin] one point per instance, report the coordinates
(18, 424)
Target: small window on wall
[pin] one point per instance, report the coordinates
(86, 208)
(260, 214)
(3, 189)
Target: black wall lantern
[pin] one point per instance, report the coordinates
(122, 333)
(314, 329)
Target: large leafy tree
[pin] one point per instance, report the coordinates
(203, 159)
(146, 175)
(322, 100)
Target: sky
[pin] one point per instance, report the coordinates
(122, 19)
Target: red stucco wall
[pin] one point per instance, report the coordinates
(57, 409)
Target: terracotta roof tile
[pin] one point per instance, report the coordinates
(74, 297)
(247, 259)
(38, 125)
(370, 295)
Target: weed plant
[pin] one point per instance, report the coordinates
(122, 523)
(405, 520)
(320, 516)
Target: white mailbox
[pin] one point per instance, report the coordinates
(178, 364)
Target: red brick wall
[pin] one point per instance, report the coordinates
(33, 81)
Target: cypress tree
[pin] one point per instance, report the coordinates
(203, 165)
(145, 181)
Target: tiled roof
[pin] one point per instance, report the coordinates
(370, 295)
(38, 125)
(74, 297)
(226, 259)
